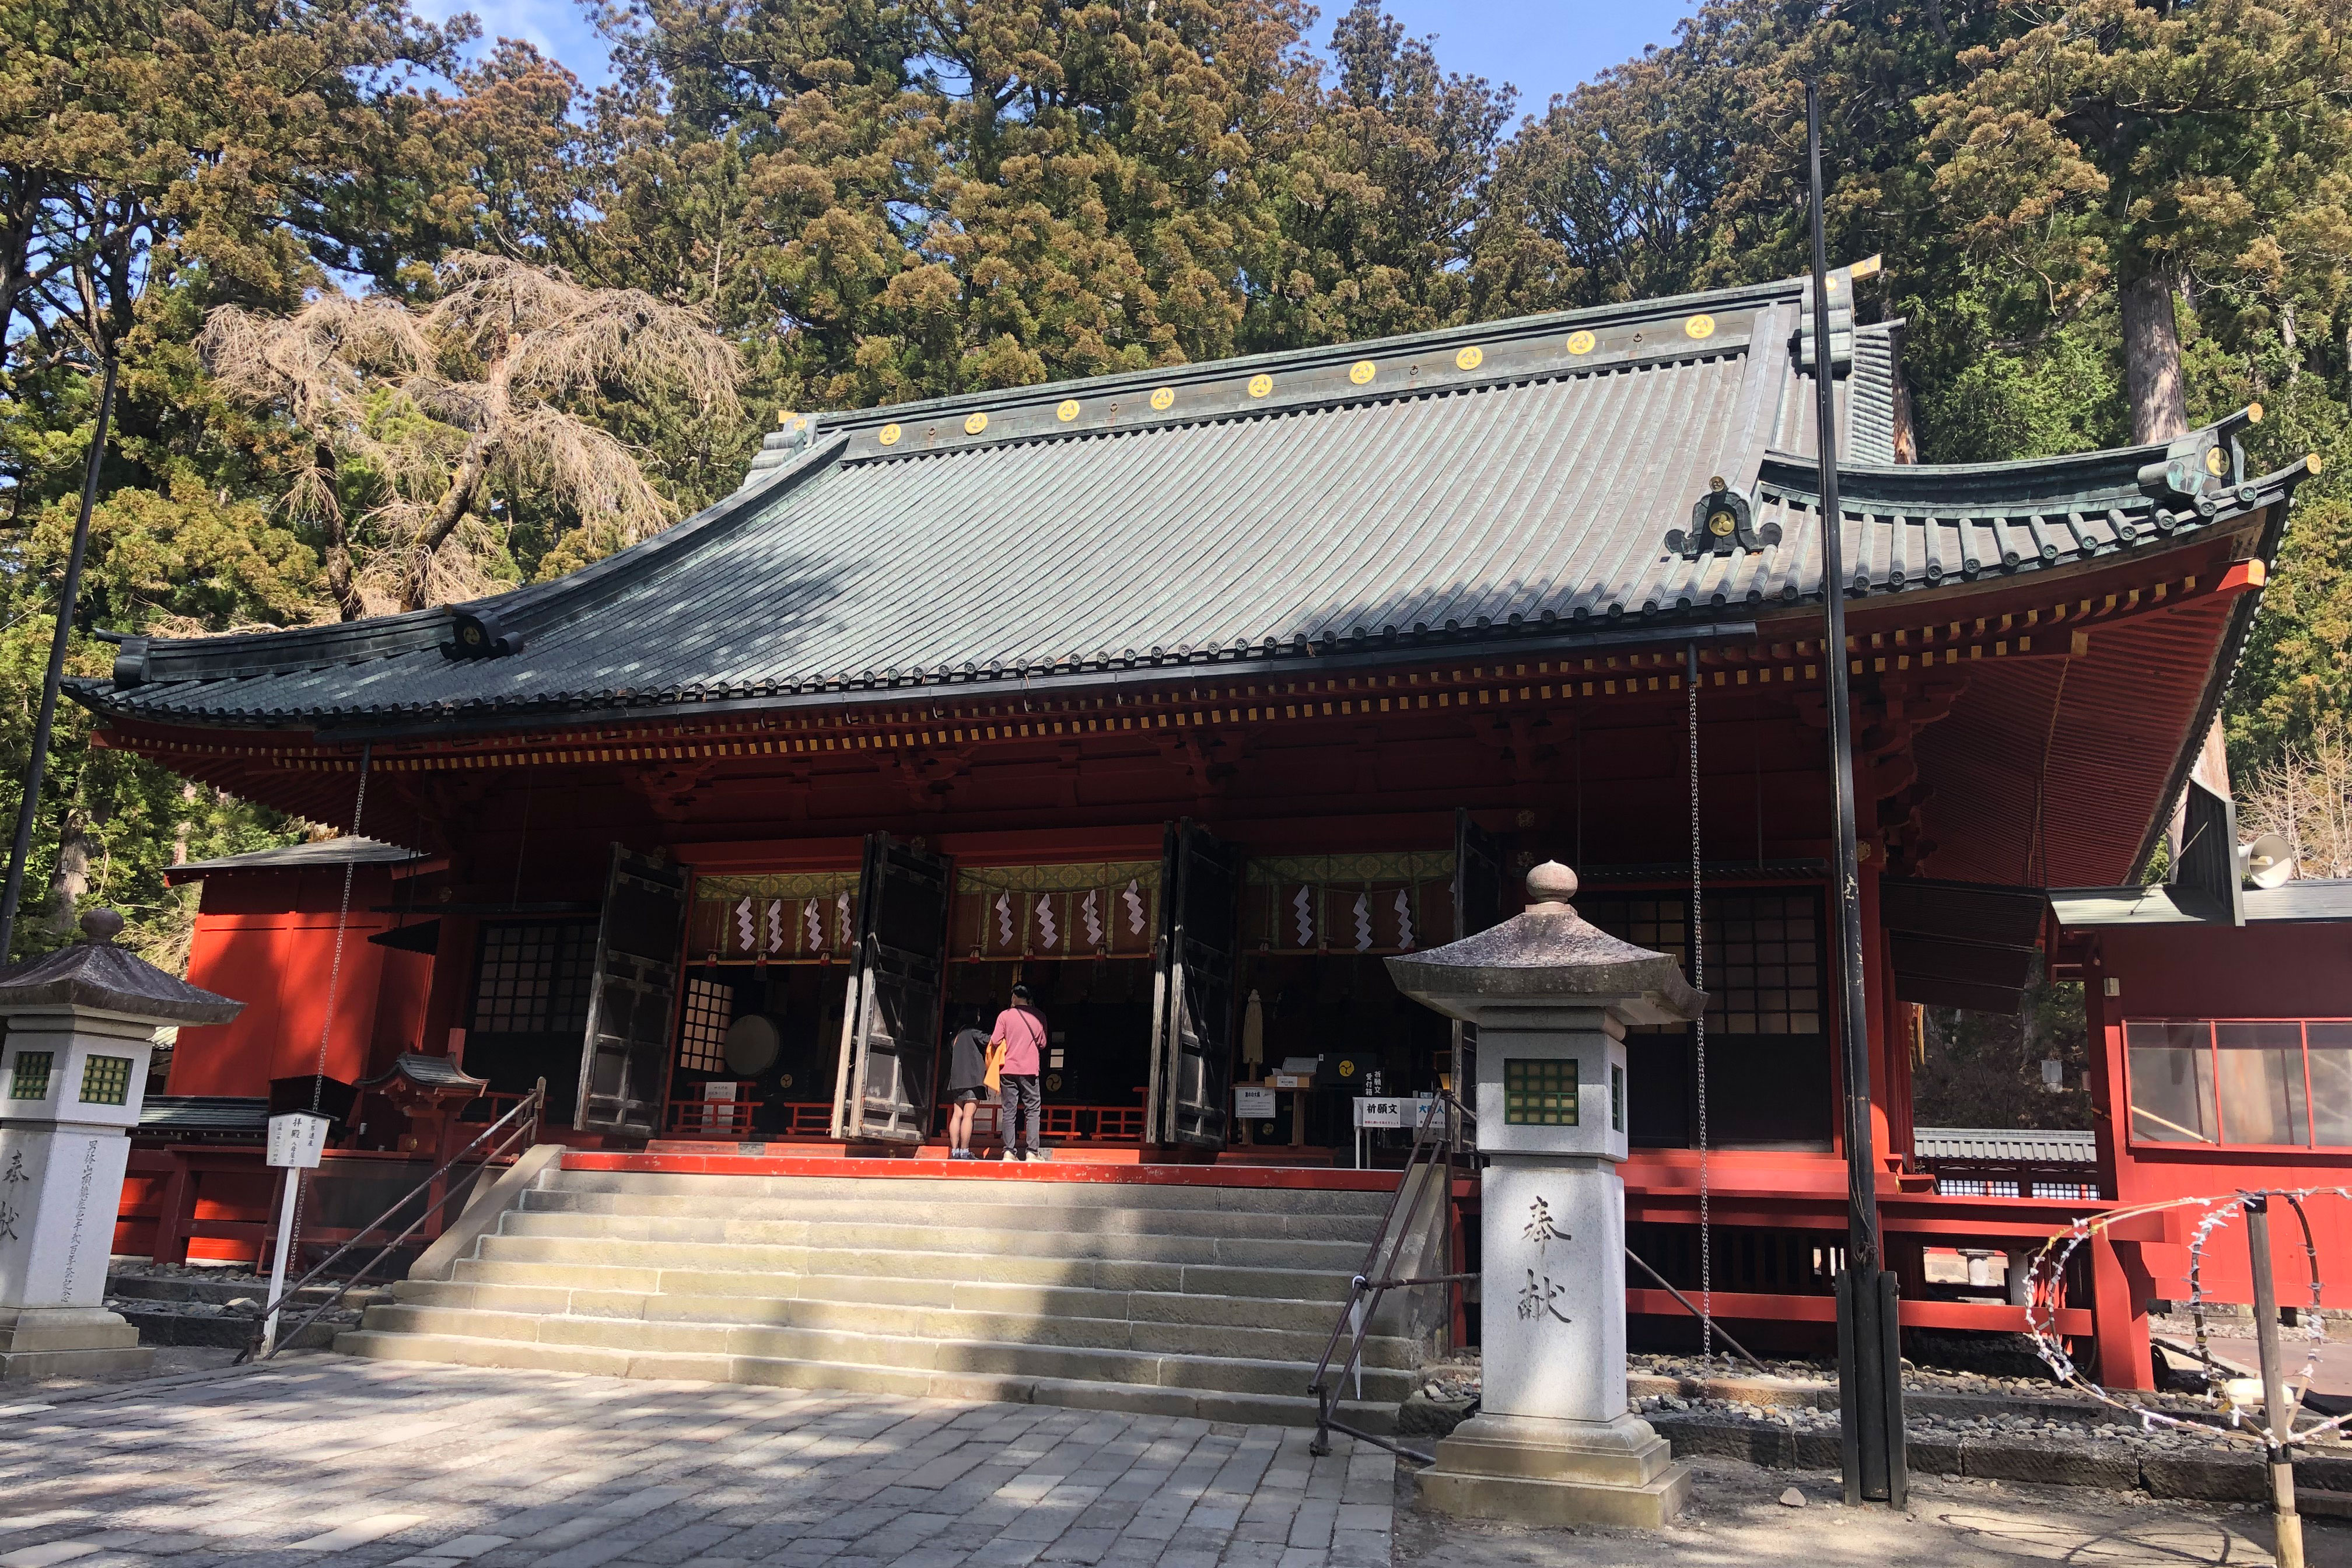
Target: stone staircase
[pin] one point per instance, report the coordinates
(1206, 1301)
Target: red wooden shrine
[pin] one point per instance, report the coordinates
(1187, 696)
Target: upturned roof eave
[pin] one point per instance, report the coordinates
(486, 717)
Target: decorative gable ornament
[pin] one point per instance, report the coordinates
(481, 634)
(2201, 469)
(1723, 522)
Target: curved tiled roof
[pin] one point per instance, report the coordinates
(1506, 480)
(2026, 1145)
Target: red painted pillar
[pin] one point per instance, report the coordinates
(2120, 1319)
(2105, 1082)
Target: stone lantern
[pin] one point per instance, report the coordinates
(1554, 1441)
(81, 1024)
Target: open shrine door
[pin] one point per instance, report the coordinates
(890, 1021)
(1190, 1099)
(632, 997)
(1477, 904)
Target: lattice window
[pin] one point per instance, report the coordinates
(31, 1080)
(106, 1080)
(702, 1033)
(533, 979)
(1975, 1188)
(1659, 924)
(1538, 1092)
(1763, 964)
(2084, 1189)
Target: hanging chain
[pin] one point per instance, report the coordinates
(1698, 1035)
(334, 979)
(343, 918)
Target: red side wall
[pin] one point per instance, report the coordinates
(268, 939)
(2267, 971)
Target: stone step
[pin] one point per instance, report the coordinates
(159, 1325)
(897, 1319)
(723, 1342)
(975, 1212)
(940, 1191)
(1210, 1404)
(946, 1233)
(970, 1295)
(1110, 1274)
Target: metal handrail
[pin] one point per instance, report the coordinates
(524, 1131)
(1378, 1275)
(1692, 1308)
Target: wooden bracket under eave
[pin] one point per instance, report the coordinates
(2242, 575)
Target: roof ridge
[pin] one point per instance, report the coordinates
(1320, 355)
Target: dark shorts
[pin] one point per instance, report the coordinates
(972, 1097)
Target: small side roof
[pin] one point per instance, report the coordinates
(2313, 899)
(346, 849)
(2027, 1145)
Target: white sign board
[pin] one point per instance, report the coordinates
(296, 1139)
(719, 1091)
(1253, 1104)
(1372, 1111)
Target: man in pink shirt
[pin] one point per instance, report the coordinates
(1022, 1030)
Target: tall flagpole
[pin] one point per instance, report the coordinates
(30, 806)
(1870, 1401)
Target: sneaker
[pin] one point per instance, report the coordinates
(959, 1153)
(1013, 1156)
(1040, 1155)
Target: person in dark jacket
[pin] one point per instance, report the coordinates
(968, 1088)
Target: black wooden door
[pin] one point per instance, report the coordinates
(1193, 1014)
(632, 996)
(1477, 904)
(891, 1022)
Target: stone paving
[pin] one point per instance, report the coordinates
(320, 1458)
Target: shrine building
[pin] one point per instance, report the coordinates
(1188, 696)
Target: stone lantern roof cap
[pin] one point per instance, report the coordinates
(96, 974)
(1550, 952)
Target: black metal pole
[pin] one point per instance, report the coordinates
(31, 804)
(1871, 1452)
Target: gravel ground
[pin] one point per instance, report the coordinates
(1737, 1518)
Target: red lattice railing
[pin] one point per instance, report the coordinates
(732, 1120)
(1068, 1123)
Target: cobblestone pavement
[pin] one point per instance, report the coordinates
(320, 1459)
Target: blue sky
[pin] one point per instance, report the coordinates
(1539, 50)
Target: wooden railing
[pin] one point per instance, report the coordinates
(1067, 1123)
(732, 1120)
(717, 1118)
